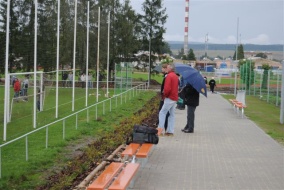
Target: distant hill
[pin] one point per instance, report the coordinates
(174, 45)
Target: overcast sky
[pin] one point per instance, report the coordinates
(260, 21)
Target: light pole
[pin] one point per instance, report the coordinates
(149, 60)
(235, 89)
(206, 48)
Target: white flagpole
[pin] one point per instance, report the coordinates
(108, 34)
(87, 56)
(74, 57)
(57, 59)
(98, 54)
(6, 103)
(35, 64)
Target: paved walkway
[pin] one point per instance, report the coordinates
(225, 152)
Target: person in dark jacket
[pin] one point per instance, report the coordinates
(191, 99)
(212, 84)
(205, 79)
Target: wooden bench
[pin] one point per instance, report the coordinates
(130, 151)
(238, 106)
(117, 176)
(139, 152)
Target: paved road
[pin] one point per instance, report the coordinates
(226, 152)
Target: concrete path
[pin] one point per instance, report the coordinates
(225, 152)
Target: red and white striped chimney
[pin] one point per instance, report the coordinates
(185, 47)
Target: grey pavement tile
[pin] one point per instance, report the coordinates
(226, 152)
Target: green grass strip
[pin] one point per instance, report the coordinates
(19, 173)
(266, 116)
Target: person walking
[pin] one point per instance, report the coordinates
(170, 94)
(212, 84)
(191, 99)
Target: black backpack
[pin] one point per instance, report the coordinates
(143, 134)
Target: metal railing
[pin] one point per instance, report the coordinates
(264, 85)
(128, 94)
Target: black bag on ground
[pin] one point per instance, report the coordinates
(144, 134)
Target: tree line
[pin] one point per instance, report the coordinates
(129, 33)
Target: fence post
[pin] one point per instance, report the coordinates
(76, 122)
(268, 86)
(104, 108)
(277, 89)
(46, 138)
(27, 149)
(96, 111)
(87, 115)
(63, 129)
(0, 162)
(110, 104)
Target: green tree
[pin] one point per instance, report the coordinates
(2, 52)
(241, 54)
(152, 26)
(262, 55)
(125, 31)
(13, 31)
(191, 55)
(247, 72)
(180, 54)
(166, 48)
(266, 69)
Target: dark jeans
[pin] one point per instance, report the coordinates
(212, 88)
(190, 118)
(167, 116)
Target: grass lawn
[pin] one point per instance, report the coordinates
(22, 111)
(143, 76)
(45, 146)
(265, 115)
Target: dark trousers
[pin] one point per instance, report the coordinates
(190, 118)
(167, 116)
(83, 84)
(212, 89)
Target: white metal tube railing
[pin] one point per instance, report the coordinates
(144, 86)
